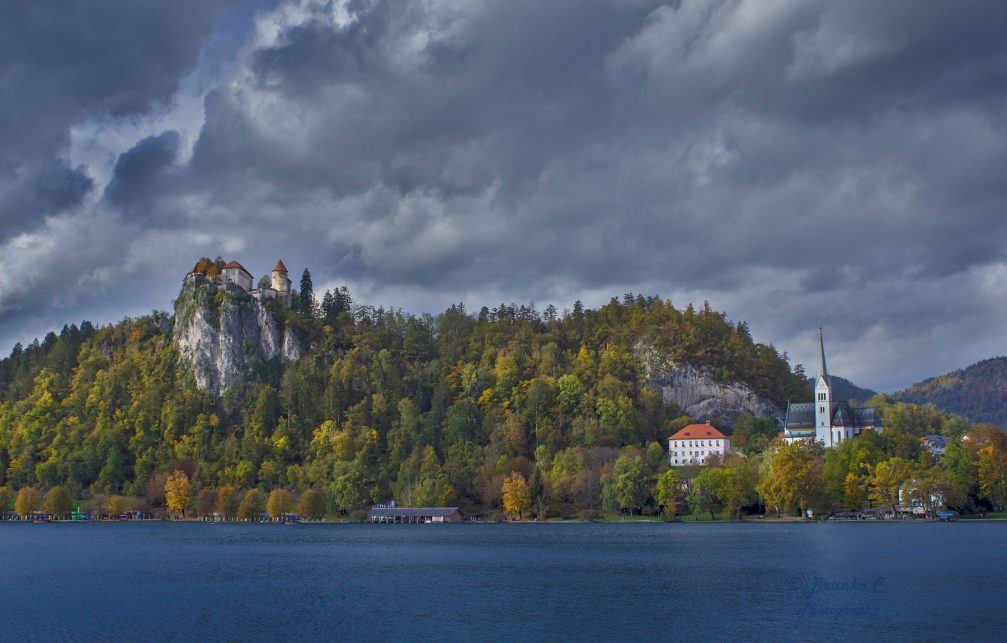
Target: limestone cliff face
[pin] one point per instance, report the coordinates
(224, 337)
(697, 393)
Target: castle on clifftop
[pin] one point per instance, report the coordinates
(233, 277)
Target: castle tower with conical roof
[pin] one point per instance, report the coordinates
(281, 283)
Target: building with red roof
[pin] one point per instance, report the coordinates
(695, 443)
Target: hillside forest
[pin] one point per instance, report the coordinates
(504, 410)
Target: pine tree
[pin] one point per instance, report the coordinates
(308, 304)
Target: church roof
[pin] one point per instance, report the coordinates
(697, 432)
(279, 267)
(801, 415)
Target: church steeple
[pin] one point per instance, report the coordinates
(822, 371)
(823, 397)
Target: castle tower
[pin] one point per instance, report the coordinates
(823, 398)
(281, 284)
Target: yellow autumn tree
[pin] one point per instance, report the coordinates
(28, 500)
(115, 506)
(178, 492)
(278, 503)
(515, 495)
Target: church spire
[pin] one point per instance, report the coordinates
(822, 371)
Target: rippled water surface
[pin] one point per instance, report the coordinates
(185, 581)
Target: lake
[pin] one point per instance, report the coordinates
(632, 581)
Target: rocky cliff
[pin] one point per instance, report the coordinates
(225, 337)
(697, 393)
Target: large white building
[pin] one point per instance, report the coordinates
(826, 420)
(695, 443)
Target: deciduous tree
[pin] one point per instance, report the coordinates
(58, 503)
(666, 492)
(279, 503)
(312, 504)
(227, 502)
(250, 505)
(178, 492)
(206, 502)
(887, 478)
(115, 506)
(993, 474)
(28, 501)
(515, 495)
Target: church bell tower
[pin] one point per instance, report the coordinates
(823, 398)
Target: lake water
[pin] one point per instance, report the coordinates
(184, 581)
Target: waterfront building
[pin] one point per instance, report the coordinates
(414, 514)
(695, 443)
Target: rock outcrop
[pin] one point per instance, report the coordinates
(224, 337)
(699, 394)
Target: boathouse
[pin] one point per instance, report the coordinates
(414, 514)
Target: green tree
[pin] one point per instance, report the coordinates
(58, 503)
(706, 492)
(626, 487)
(737, 490)
(28, 501)
(887, 479)
(311, 505)
(308, 303)
(666, 492)
(227, 502)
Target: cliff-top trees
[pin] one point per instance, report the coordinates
(178, 492)
(308, 305)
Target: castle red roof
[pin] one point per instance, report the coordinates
(698, 432)
(279, 267)
(235, 264)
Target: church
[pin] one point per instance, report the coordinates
(827, 420)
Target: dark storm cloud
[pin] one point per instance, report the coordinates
(798, 163)
(38, 190)
(64, 62)
(137, 170)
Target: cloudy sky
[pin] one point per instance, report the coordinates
(795, 163)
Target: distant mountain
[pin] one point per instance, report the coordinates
(844, 389)
(978, 392)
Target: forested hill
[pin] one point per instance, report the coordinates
(978, 392)
(380, 403)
